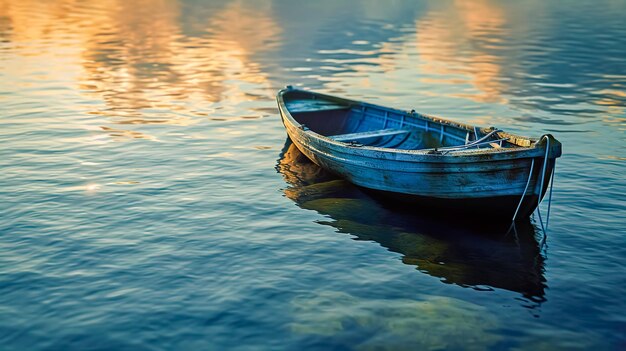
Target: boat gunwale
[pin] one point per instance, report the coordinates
(536, 146)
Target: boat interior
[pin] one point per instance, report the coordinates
(360, 124)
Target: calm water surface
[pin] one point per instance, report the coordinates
(149, 198)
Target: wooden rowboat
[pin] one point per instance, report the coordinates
(439, 164)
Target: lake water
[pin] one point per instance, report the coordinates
(150, 200)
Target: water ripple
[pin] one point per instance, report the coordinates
(141, 206)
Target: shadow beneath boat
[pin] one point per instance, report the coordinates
(475, 253)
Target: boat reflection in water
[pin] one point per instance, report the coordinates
(471, 253)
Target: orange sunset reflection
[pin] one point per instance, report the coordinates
(133, 58)
(455, 42)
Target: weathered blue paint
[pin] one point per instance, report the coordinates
(425, 164)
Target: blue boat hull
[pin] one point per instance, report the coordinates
(461, 182)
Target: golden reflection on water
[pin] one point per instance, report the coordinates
(133, 58)
(453, 43)
(151, 62)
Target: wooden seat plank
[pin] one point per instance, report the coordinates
(368, 134)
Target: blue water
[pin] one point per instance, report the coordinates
(150, 200)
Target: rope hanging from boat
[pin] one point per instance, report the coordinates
(550, 195)
(532, 164)
(543, 175)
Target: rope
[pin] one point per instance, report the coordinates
(530, 174)
(476, 136)
(449, 149)
(550, 195)
(543, 174)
